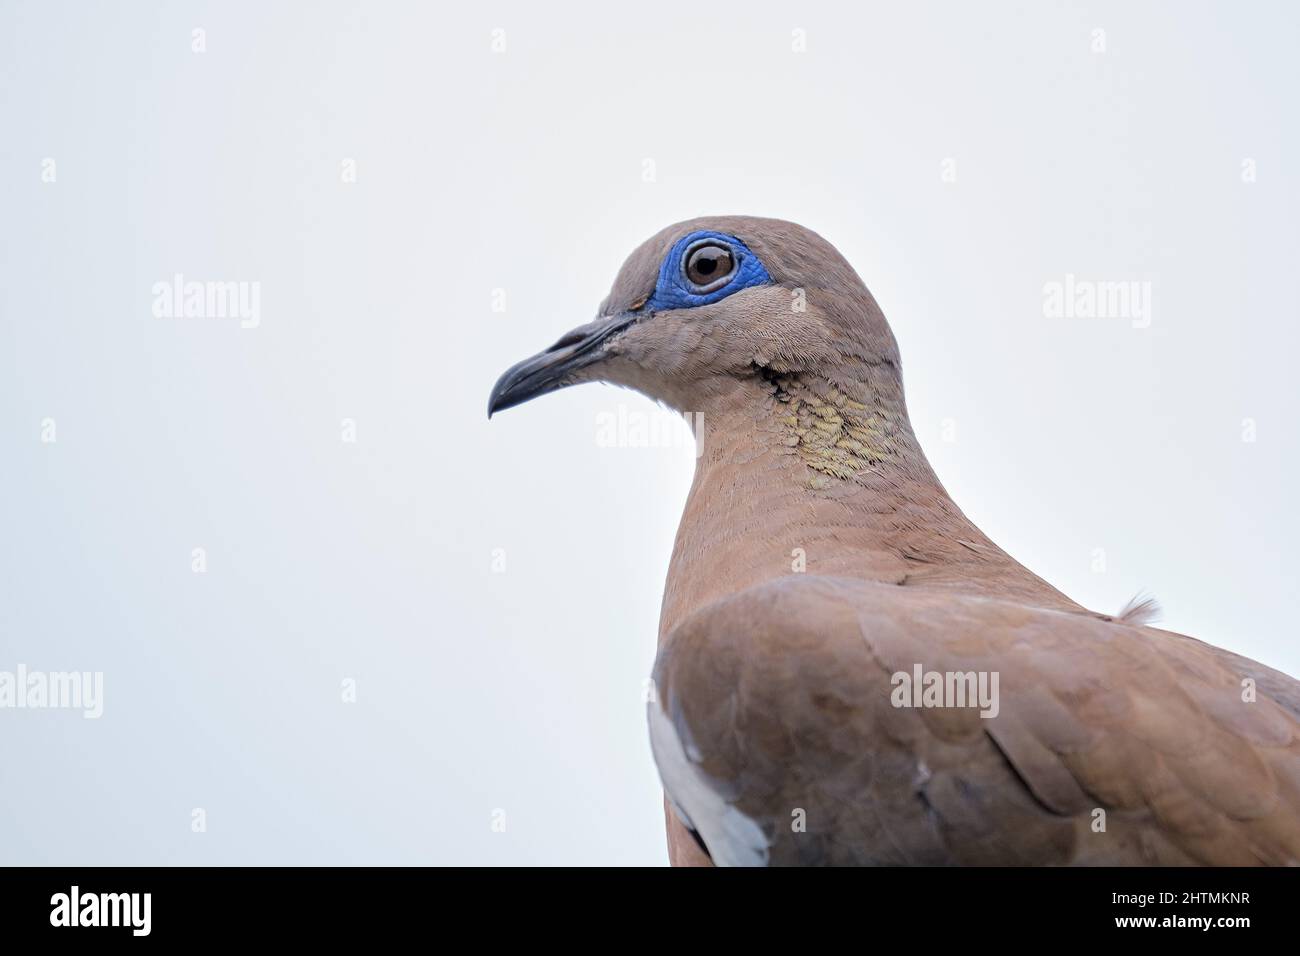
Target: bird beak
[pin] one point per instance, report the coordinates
(554, 369)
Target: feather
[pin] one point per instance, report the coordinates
(1139, 611)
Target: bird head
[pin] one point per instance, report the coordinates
(714, 305)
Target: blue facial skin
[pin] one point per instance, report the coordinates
(674, 290)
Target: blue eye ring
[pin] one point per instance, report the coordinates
(674, 290)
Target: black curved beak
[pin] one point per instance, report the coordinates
(553, 369)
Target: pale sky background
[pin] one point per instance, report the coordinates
(479, 690)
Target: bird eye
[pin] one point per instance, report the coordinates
(709, 266)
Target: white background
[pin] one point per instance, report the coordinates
(523, 170)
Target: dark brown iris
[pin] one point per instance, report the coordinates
(707, 264)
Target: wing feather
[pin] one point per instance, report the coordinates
(1114, 744)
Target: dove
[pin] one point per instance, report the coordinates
(849, 672)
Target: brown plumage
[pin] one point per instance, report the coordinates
(819, 557)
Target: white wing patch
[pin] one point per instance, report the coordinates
(733, 839)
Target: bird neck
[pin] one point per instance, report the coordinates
(801, 474)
